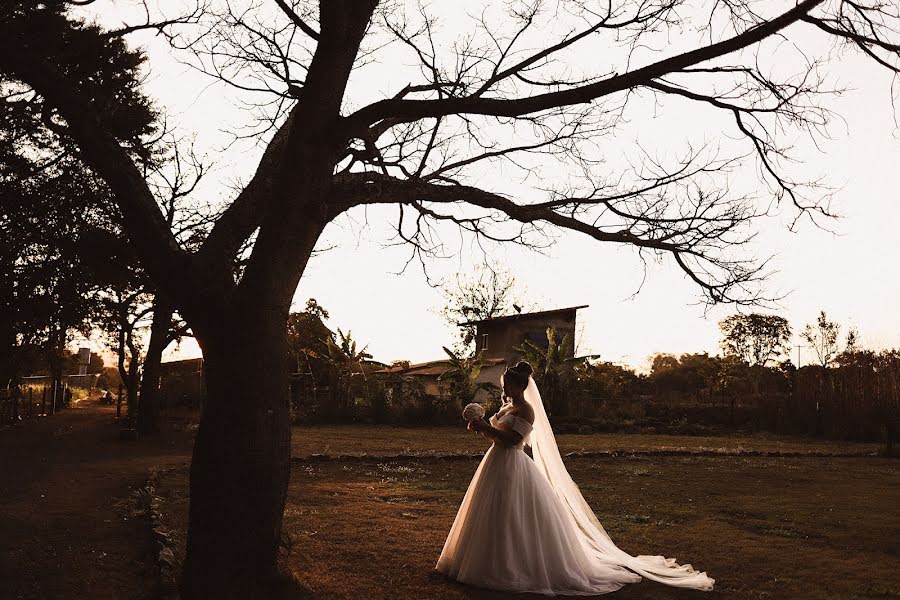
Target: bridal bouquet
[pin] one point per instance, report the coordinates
(473, 412)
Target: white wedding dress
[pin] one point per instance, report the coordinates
(523, 526)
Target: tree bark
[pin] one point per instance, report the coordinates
(148, 405)
(241, 461)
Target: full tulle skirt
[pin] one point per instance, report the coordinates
(513, 534)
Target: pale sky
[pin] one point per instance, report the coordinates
(848, 273)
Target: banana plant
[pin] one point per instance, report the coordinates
(462, 375)
(347, 359)
(553, 368)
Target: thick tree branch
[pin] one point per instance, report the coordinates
(296, 20)
(692, 243)
(245, 213)
(301, 182)
(406, 110)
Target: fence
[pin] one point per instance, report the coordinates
(19, 404)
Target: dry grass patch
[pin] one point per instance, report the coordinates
(357, 440)
(798, 528)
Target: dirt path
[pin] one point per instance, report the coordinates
(66, 484)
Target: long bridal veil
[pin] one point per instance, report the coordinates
(546, 456)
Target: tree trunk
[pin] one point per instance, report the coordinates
(9, 375)
(148, 407)
(241, 460)
(120, 355)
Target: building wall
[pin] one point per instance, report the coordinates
(504, 335)
(488, 374)
(431, 385)
(181, 382)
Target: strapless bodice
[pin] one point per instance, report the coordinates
(518, 424)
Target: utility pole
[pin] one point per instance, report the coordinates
(798, 346)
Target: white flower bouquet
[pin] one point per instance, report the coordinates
(473, 412)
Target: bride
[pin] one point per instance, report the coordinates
(524, 526)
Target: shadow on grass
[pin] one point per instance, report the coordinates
(289, 587)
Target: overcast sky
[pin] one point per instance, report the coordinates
(849, 272)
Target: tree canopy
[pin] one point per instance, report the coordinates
(755, 338)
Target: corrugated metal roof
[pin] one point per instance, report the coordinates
(434, 367)
(539, 313)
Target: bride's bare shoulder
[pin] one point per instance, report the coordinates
(524, 411)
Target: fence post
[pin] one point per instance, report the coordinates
(119, 403)
(30, 402)
(53, 397)
(43, 400)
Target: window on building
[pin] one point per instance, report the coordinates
(539, 338)
(484, 341)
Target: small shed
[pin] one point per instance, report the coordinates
(182, 382)
(497, 337)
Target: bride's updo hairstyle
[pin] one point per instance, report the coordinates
(519, 374)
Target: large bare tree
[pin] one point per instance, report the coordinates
(520, 91)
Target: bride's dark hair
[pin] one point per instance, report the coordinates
(519, 374)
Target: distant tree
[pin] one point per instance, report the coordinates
(490, 292)
(700, 373)
(129, 310)
(309, 342)
(45, 292)
(174, 173)
(662, 362)
(851, 342)
(755, 338)
(604, 381)
(823, 338)
(308, 337)
(109, 379)
(125, 302)
(666, 376)
(71, 215)
(126, 321)
(165, 328)
(888, 402)
(731, 381)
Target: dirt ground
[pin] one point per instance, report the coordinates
(67, 523)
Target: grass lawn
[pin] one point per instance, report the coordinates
(385, 440)
(763, 527)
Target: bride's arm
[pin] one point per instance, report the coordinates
(510, 438)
